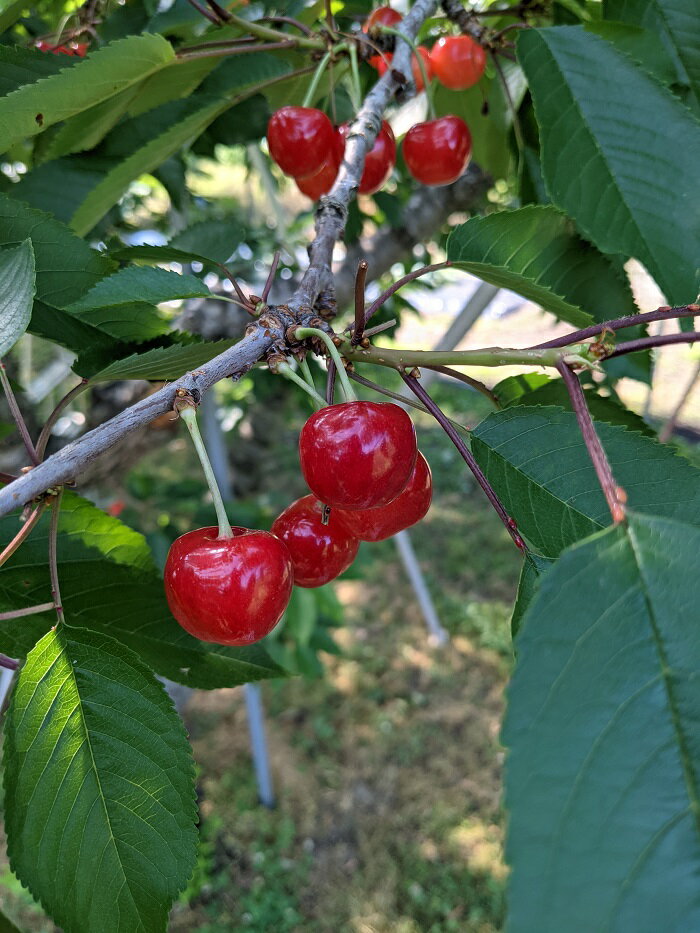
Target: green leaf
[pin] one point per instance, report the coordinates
(674, 23)
(99, 786)
(159, 254)
(17, 286)
(102, 74)
(642, 45)
(531, 572)
(535, 389)
(66, 267)
(602, 780)
(216, 239)
(123, 304)
(536, 252)
(57, 187)
(604, 127)
(537, 462)
(10, 12)
(22, 66)
(160, 364)
(142, 144)
(70, 332)
(109, 584)
(87, 129)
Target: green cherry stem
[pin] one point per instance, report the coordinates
(306, 372)
(284, 369)
(301, 333)
(189, 416)
(310, 95)
(355, 83)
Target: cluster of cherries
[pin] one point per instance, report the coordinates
(368, 480)
(306, 145)
(66, 48)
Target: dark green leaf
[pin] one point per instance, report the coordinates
(642, 45)
(66, 267)
(59, 186)
(538, 464)
(70, 332)
(23, 66)
(216, 239)
(616, 144)
(602, 781)
(536, 252)
(109, 584)
(17, 286)
(99, 786)
(531, 572)
(159, 364)
(103, 74)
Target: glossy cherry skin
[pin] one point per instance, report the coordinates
(319, 552)
(437, 152)
(358, 455)
(299, 139)
(379, 161)
(382, 16)
(231, 591)
(458, 62)
(409, 507)
(71, 48)
(321, 182)
(382, 64)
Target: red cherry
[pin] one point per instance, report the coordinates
(379, 161)
(382, 64)
(382, 16)
(358, 455)
(437, 152)
(231, 591)
(299, 139)
(321, 182)
(458, 62)
(73, 48)
(319, 552)
(407, 508)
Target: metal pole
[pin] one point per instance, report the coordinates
(477, 304)
(216, 448)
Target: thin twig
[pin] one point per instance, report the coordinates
(330, 381)
(7, 477)
(668, 428)
(660, 340)
(289, 20)
(466, 454)
(53, 555)
(270, 276)
(28, 611)
(223, 14)
(614, 495)
(17, 415)
(401, 399)
(10, 664)
(207, 13)
(376, 305)
(474, 383)
(22, 533)
(661, 314)
(245, 301)
(53, 417)
(360, 282)
(223, 51)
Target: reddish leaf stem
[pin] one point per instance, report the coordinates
(17, 415)
(270, 276)
(53, 555)
(614, 494)
(290, 22)
(466, 454)
(474, 383)
(330, 382)
(360, 282)
(53, 417)
(376, 305)
(661, 314)
(660, 340)
(22, 533)
(10, 664)
(207, 13)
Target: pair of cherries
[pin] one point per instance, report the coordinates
(69, 48)
(306, 146)
(359, 458)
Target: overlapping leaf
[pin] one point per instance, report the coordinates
(536, 252)
(162, 363)
(99, 786)
(537, 462)
(108, 584)
(603, 769)
(17, 285)
(616, 145)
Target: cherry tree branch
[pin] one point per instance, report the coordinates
(270, 328)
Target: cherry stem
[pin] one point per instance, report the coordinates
(207, 13)
(647, 317)
(17, 415)
(466, 454)
(29, 611)
(402, 399)
(10, 664)
(245, 301)
(648, 343)
(222, 50)
(355, 82)
(189, 416)
(330, 381)
(53, 417)
(666, 432)
(302, 332)
(614, 494)
(360, 280)
(421, 65)
(377, 303)
(270, 276)
(22, 533)
(306, 372)
(284, 369)
(265, 32)
(289, 20)
(310, 95)
(53, 555)
(474, 383)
